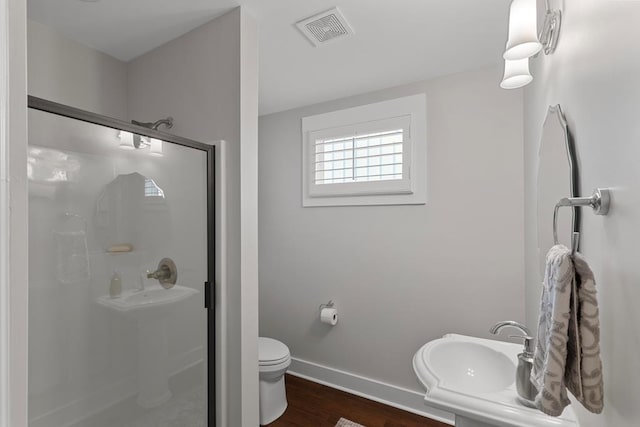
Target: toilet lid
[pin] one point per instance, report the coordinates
(271, 351)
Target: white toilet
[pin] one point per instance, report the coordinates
(274, 360)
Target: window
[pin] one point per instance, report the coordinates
(373, 154)
(151, 189)
(368, 156)
(348, 159)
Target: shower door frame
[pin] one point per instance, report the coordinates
(40, 104)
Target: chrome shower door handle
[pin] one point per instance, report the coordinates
(166, 274)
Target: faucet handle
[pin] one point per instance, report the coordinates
(166, 274)
(528, 344)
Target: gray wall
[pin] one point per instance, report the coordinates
(594, 76)
(205, 80)
(65, 71)
(400, 275)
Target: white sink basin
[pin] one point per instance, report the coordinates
(154, 296)
(471, 367)
(474, 378)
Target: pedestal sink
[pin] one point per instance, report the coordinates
(149, 308)
(474, 378)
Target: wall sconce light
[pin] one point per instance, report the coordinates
(523, 31)
(130, 141)
(141, 141)
(155, 147)
(550, 29)
(126, 140)
(516, 74)
(524, 41)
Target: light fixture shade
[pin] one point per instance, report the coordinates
(126, 140)
(155, 147)
(516, 74)
(523, 30)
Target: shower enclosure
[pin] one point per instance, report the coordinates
(121, 261)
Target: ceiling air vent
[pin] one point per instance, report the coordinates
(325, 27)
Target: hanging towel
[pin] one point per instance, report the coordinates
(567, 353)
(591, 391)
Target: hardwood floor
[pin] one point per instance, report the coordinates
(315, 405)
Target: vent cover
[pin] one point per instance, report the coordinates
(325, 27)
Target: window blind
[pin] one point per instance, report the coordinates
(359, 158)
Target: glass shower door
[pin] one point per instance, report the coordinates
(120, 246)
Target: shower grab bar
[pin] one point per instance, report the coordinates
(600, 202)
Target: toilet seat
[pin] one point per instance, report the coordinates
(272, 352)
(274, 362)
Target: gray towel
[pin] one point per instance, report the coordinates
(568, 349)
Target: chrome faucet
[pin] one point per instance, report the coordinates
(526, 390)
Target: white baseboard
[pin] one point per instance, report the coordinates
(398, 397)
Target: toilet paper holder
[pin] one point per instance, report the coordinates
(330, 304)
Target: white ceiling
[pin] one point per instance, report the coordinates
(395, 41)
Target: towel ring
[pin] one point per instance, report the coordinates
(600, 202)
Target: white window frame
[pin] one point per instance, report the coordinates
(407, 113)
